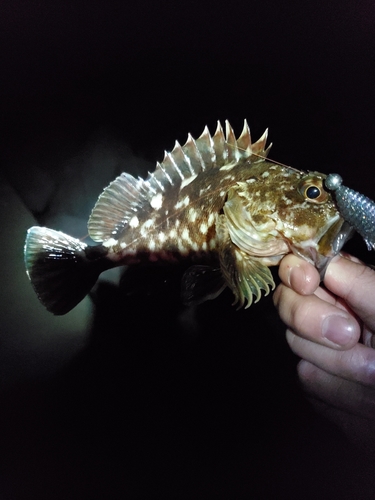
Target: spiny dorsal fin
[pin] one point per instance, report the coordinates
(125, 196)
(204, 153)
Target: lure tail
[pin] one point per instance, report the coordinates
(355, 208)
(62, 269)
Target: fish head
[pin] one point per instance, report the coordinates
(280, 210)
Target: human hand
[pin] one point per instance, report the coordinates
(332, 329)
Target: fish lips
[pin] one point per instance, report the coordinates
(329, 245)
(332, 247)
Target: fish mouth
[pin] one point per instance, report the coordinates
(332, 240)
(331, 243)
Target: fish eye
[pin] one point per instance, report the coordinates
(312, 192)
(311, 188)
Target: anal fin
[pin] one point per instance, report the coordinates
(201, 283)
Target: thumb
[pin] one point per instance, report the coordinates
(355, 283)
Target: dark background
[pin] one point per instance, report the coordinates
(150, 400)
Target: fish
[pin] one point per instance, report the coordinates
(357, 209)
(216, 202)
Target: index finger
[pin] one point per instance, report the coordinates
(355, 283)
(298, 274)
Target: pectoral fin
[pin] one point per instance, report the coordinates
(245, 275)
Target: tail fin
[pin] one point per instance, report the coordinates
(59, 268)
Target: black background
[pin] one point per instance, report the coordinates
(160, 403)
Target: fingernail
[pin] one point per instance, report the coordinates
(338, 329)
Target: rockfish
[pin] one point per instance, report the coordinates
(217, 201)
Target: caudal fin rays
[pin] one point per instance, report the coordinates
(59, 269)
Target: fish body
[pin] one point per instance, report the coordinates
(216, 201)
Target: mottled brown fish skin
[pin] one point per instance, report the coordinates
(216, 200)
(184, 221)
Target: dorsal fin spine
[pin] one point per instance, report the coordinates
(205, 147)
(258, 146)
(244, 140)
(220, 145)
(178, 149)
(127, 195)
(190, 146)
(172, 161)
(165, 173)
(231, 143)
(152, 178)
(210, 145)
(181, 161)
